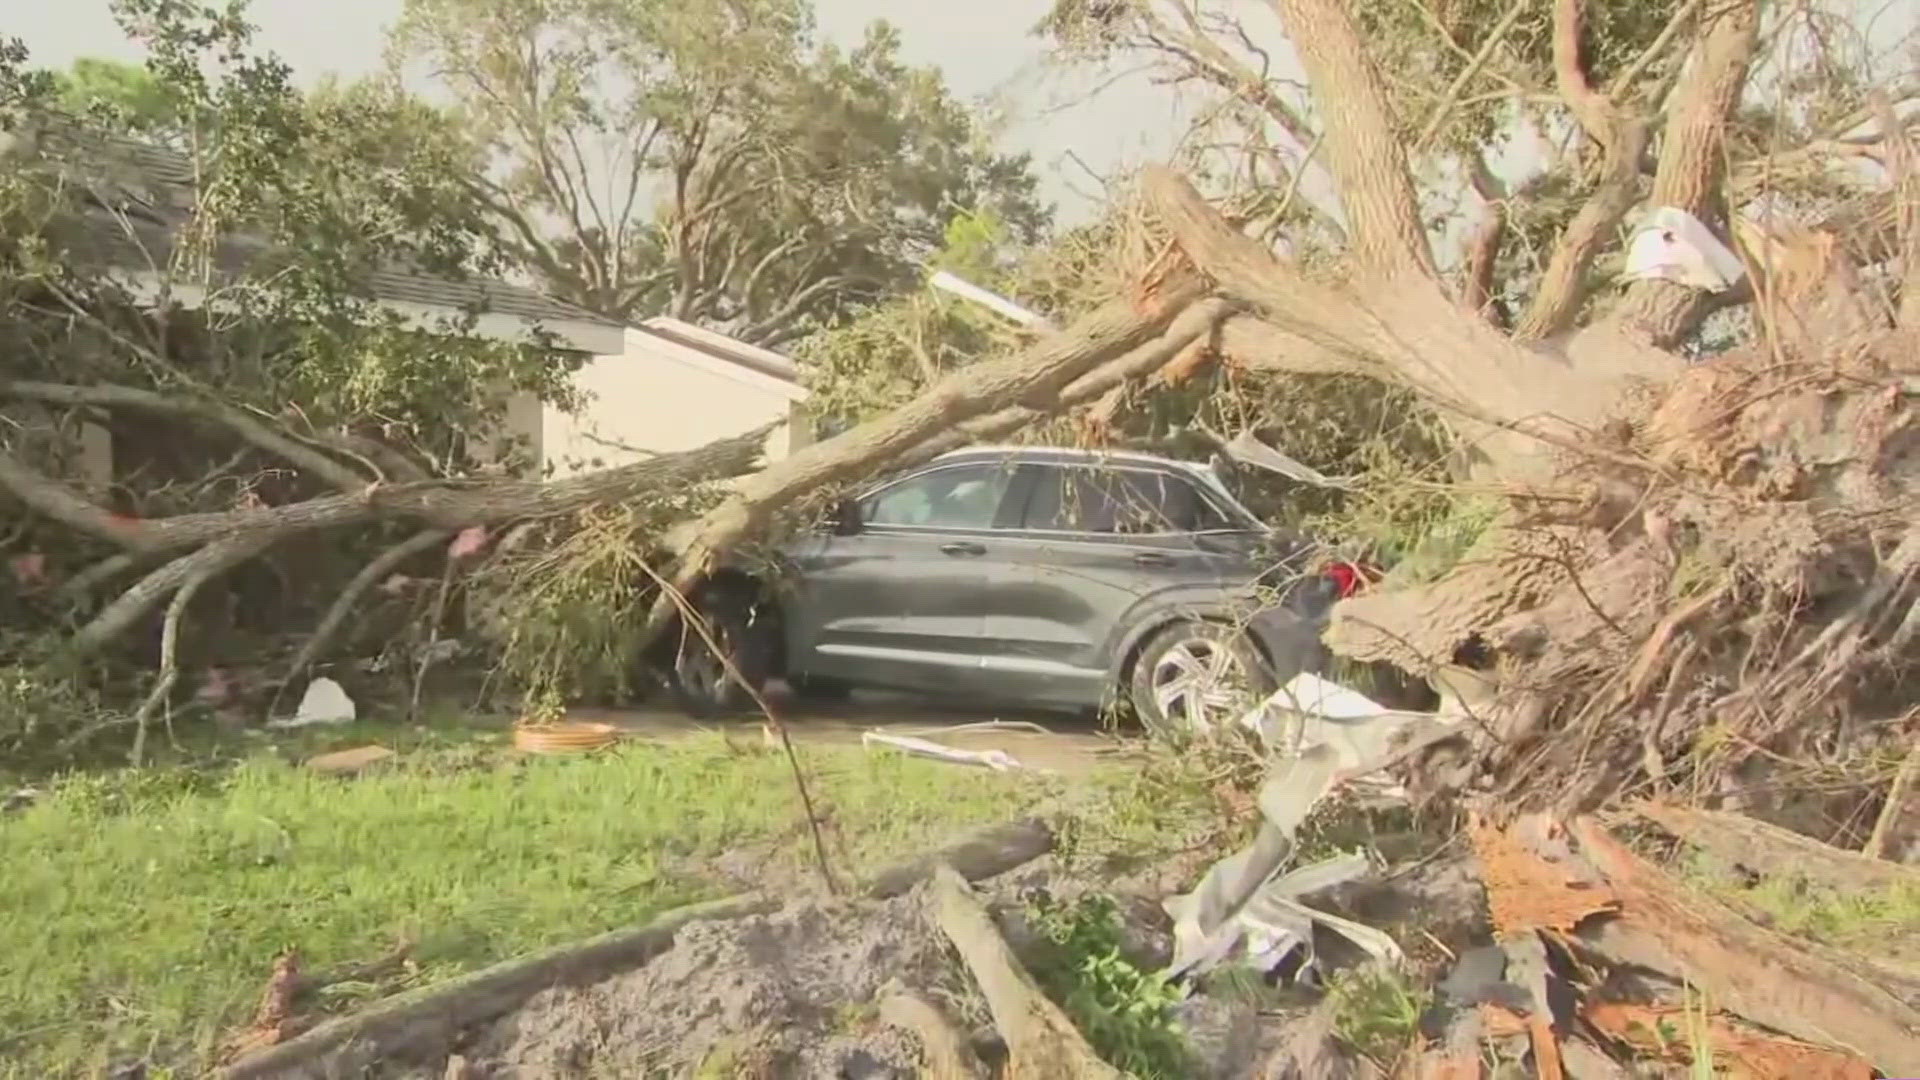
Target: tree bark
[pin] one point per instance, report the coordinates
(1510, 404)
(1130, 368)
(1362, 150)
(446, 504)
(370, 575)
(1562, 289)
(1042, 1044)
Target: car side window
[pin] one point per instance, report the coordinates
(962, 497)
(1119, 501)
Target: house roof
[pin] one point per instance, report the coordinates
(721, 347)
(146, 203)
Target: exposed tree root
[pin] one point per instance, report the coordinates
(947, 1054)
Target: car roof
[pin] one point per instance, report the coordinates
(1064, 454)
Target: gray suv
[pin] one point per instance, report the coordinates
(1053, 578)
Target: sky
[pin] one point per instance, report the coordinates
(983, 46)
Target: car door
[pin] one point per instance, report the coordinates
(903, 600)
(1096, 544)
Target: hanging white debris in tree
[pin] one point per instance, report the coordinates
(325, 702)
(1672, 245)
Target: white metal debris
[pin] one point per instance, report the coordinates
(997, 760)
(992, 301)
(1318, 734)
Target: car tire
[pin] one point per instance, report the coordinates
(702, 685)
(819, 688)
(1223, 672)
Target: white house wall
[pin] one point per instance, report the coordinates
(660, 397)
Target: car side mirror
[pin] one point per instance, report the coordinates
(846, 518)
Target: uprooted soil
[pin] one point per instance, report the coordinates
(794, 993)
(786, 994)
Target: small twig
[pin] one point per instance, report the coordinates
(219, 557)
(1895, 807)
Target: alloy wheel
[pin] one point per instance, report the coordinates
(1200, 685)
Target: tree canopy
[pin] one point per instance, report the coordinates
(711, 162)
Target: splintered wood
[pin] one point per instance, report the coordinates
(1533, 879)
(1668, 1033)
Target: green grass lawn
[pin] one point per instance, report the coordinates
(143, 911)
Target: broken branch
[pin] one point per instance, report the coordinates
(1042, 1044)
(369, 576)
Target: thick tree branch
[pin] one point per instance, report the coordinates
(206, 564)
(1692, 160)
(187, 571)
(249, 429)
(1562, 290)
(1362, 150)
(1128, 368)
(1509, 402)
(1592, 109)
(447, 504)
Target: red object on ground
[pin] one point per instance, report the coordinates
(1348, 578)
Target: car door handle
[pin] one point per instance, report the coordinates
(1152, 558)
(963, 547)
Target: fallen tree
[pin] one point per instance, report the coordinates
(1628, 598)
(1623, 580)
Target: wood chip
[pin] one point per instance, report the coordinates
(1525, 890)
(349, 762)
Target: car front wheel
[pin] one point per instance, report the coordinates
(1196, 678)
(703, 674)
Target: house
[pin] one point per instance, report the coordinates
(672, 386)
(657, 388)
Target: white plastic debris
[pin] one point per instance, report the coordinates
(997, 760)
(325, 702)
(1672, 245)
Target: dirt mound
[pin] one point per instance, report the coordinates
(786, 994)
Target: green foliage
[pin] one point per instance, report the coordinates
(1126, 1012)
(117, 94)
(1376, 1011)
(157, 901)
(318, 193)
(41, 707)
(794, 181)
(887, 352)
(566, 606)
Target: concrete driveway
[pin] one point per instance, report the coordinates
(1065, 744)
